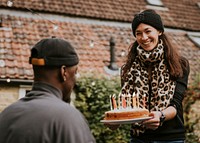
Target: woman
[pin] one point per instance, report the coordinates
(158, 75)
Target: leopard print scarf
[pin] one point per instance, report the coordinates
(149, 78)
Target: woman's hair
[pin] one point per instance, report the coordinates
(175, 63)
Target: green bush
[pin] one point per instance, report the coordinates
(192, 95)
(92, 99)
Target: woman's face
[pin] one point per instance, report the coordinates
(147, 36)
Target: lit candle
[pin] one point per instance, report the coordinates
(114, 102)
(138, 103)
(129, 101)
(123, 101)
(134, 100)
(144, 101)
(111, 108)
(119, 98)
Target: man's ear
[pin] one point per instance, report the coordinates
(63, 71)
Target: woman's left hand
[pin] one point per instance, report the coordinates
(154, 122)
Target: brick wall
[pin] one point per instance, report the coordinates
(8, 95)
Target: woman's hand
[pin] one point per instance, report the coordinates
(154, 122)
(170, 112)
(112, 126)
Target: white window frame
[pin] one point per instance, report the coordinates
(155, 2)
(195, 38)
(23, 89)
(152, 5)
(198, 4)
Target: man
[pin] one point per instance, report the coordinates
(44, 115)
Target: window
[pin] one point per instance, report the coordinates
(23, 89)
(195, 37)
(198, 4)
(155, 2)
(156, 5)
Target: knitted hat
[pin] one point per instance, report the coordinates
(53, 52)
(149, 17)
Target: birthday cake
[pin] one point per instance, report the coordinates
(127, 108)
(126, 114)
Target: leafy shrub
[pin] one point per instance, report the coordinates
(92, 99)
(192, 95)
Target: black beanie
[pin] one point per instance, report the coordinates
(53, 52)
(149, 17)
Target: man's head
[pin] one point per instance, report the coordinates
(55, 61)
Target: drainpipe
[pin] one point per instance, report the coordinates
(113, 65)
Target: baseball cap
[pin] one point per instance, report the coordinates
(53, 52)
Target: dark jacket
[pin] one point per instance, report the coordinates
(171, 129)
